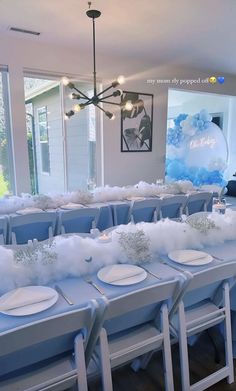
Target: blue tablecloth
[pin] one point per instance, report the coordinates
(80, 292)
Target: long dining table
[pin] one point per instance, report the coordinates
(81, 292)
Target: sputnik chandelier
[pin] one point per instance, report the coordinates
(98, 97)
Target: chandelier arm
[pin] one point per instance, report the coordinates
(104, 111)
(110, 103)
(106, 89)
(105, 97)
(81, 93)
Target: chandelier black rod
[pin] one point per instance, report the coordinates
(110, 103)
(94, 61)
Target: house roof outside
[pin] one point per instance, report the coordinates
(37, 88)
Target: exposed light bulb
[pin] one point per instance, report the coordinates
(113, 117)
(77, 108)
(65, 81)
(128, 106)
(121, 79)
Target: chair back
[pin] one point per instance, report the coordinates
(3, 229)
(145, 210)
(205, 284)
(172, 207)
(40, 226)
(120, 212)
(79, 220)
(198, 202)
(141, 306)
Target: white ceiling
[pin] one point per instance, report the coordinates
(197, 33)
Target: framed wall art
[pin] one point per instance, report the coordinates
(137, 123)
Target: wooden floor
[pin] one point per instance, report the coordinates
(202, 363)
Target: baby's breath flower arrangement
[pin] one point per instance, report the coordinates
(136, 246)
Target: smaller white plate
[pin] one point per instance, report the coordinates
(190, 257)
(138, 274)
(135, 198)
(71, 206)
(32, 308)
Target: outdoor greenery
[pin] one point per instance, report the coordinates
(4, 172)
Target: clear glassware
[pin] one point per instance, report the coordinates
(91, 184)
(219, 205)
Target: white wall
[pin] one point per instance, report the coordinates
(119, 168)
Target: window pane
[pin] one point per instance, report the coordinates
(45, 134)
(5, 138)
(61, 155)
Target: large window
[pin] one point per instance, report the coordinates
(6, 180)
(61, 153)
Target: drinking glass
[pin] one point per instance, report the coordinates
(219, 205)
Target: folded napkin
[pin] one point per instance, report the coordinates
(190, 256)
(28, 210)
(72, 205)
(118, 272)
(25, 296)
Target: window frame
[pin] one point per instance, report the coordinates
(8, 126)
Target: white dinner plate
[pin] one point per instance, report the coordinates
(190, 257)
(71, 206)
(28, 211)
(32, 308)
(122, 275)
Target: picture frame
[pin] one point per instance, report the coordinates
(137, 123)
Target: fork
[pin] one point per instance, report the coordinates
(173, 267)
(100, 290)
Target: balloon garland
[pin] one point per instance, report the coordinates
(196, 150)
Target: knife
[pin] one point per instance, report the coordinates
(60, 291)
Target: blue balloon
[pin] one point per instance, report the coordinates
(175, 169)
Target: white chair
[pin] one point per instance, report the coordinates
(76, 332)
(173, 206)
(147, 329)
(205, 303)
(198, 202)
(40, 226)
(78, 221)
(145, 210)
(3, 229)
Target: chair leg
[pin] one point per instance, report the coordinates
(228, 336)
(82, 384)
(105, 361)
(183, 347)
(167, 359)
